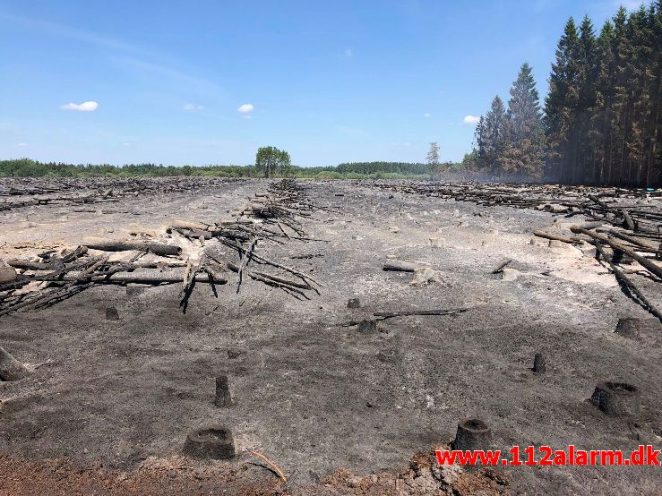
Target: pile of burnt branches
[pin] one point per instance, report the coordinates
(571, 200)
(187, 253)
(625, 225)
(28, 192)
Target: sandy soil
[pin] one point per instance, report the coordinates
(310, 394)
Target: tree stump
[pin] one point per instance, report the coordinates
(223, 397)
(617, 399)
(10, 368)
(539, 364)
(472, 434)
(214, 443)
(628, 327)
(7, 273)
(368, 326)
(353, 303)
(112, 314)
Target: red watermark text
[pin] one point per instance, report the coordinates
(644, 455)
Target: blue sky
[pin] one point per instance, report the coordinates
(208, 81)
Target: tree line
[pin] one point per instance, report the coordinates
(383, 167)
(266, 164)
(602, 118)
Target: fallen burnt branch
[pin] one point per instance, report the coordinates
(379, 316)
(398, 266)
(645, 262)
(499, 268)
(139, 277)
(291, 287)
(160, 249)
(555, 237)
(626, 283)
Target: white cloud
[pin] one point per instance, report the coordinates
(348, 52)
(471, 119)
(427, 115)
(21, 145)
(90, 106)
(246, 109)
(193, 107)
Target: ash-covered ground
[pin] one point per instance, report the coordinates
(315, 396)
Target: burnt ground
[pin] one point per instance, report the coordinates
(310, 394)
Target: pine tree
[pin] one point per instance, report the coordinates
(642, 77)
(561, 103)
(525, 139)
(654, 152)
(587, 81)
(602, 117)
(603, 112)
(621, 104)
(491, 137)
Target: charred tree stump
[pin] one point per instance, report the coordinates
(628, 327)
(368, 326)
(353, 303)
(539, 364)
(223, 397)
(112, 314)
(472, 434)
(10, 368)
(215, 443)
(617, 399)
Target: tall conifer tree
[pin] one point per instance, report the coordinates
(524, 152)
(491, 137)
(561, 104)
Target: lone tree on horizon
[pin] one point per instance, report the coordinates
(433, 154)
(270, 161)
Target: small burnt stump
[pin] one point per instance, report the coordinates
(539, 364)
(353, 303)
(112, 314)
(617, 399)
(472, 434)
(10, 368)
(133, 290)
(629, 327)
(223, 397)
(368, 326)
(213, 443)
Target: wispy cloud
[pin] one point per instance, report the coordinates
(89, 106)
(427, 115)
(124, 55)
(21, 145)
(144, 67)
(66, 32)
(348, 52)
(193, 107)
(471, 119)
